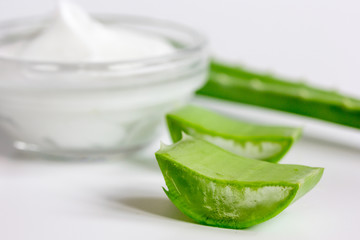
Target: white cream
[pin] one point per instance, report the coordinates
(102, 120)
(74, 36)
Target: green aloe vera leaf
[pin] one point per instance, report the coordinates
(268, 143)
(240, 85)
(215, 187)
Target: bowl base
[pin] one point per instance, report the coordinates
(31, 150)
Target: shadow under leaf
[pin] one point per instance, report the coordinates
(153, 205)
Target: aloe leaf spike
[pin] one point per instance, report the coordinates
(238, 84)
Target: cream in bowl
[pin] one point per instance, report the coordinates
(74, 84)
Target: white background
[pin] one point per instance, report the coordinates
(121, 198)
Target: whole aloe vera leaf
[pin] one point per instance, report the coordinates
(268, 143)
(240, 85)
(215, 187)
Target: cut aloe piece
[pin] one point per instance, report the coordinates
(218, 188)
(237, 84)
(269, 143)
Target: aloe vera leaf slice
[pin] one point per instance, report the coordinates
(268, 143)
(215, 187)
(238, 84)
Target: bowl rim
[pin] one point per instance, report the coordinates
(200, 43)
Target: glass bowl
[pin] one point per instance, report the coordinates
(89, 108)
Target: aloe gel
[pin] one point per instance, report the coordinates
(215, 187)
(268, 143)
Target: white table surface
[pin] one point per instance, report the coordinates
(121, 197)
